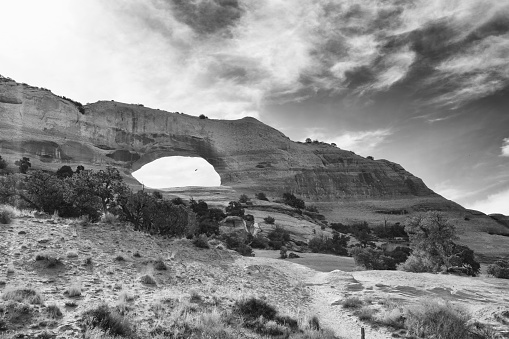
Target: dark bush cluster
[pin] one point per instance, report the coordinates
(234, 208)
(244, 199)
(3, 163)
(78, 105)
(269, 220)
(108, 320)
(91, 193)
(203, 116)
(261, 196)
(335, 245)
(500, 269)
(291, 200)
(390, 231)
(278, 237)
(208, 218)
(238, 241)
(376, 259)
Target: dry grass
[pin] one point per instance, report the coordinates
(22, 294)
(53, 311)
(73, 290)
(50, 259)
(352, 302)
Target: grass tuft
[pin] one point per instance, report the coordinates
(23, 294)
(352, 302)
(53, 311)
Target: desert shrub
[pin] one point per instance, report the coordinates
(434, 319)
(418, 264)
(390, 231)
(372, 259)
(109, 218)
(279, 234)
(245, 250)
(23, 164)
(159, 217)
(53, 311)
(159, 264)
(463, 257)
(352, 302)
(365, 313)
(244, 199)
(335, 245)
(64, 172)
(177, 201)
(3, 163)
(291, 200)
(201, 241)
(499, 269)
(157, 195)
(259, 241)
(148, 279)
(261, 196)
(203, 116)
(254, 308)
(50, 259)
(108, 320)
(6, 214)
(392, 316)
(22, 294)
(341, 228)
(283, 252)
(269, 220)
(314, 323)
(234, 208)
(73, 290)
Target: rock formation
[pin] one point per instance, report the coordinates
(246, 153)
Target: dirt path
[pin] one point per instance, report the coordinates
(326, 289)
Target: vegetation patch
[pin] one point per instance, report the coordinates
(108, 320)
(23, 294)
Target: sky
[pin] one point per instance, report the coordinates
(423, 83)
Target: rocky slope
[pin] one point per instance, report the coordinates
(246, 153)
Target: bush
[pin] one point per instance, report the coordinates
(159, 264)
(372, 259)
(259, 241)
(65, 172)
(3, 163)
(269, 220)
(500, 269)
(234, 208)
(335, 245)
(291, 200)
(108, 320)
(201, 241)
(23, 164)
(261, 196)
(352, 302)
(23, 294)
(244, 199)
(6, 214)
(434, 319)
(203, 116)
(254, 308)
(390, 232)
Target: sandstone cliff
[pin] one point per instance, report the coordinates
(246, 153)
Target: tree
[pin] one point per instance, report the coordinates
(3, 163)
(308, 140)
(23, 164)
(243, 199)
(261, 196)
(431, 238)
(291, 200)
(65, 171)
(234, 208)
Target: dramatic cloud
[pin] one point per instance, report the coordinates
(495, 203)
(362, 142)
(505, 147)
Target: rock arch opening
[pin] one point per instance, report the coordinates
(178, 171)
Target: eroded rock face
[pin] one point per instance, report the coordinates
(246, 153)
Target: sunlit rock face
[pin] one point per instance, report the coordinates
(246, 153)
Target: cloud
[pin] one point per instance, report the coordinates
(495, 203)
(505, 147)
(362, 142)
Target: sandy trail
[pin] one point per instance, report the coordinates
(326, 288)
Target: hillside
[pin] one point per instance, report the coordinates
(197, 280)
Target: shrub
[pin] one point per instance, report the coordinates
(500, 269)
(234, 209)
(23, 164)
(259, 241)
(244, 199)
(148, 279)
(372, 259)
(53, 311)
(73, 290)
(254, 308)
(64, 172)
(3, 163)
(201, 241)
(314, 323)
(203, 116)
(108, 320)
(6, 214)
(261, 196)
(463, 257)
(22, 294)
(352, 302)
(50, 259)
(269, 220)
(434, 319)
(177, 201)
(279, 234)
(159, 264)
(291, 200)
(157, 195)
(335, 245)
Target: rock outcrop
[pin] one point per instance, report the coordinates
(246, 153)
